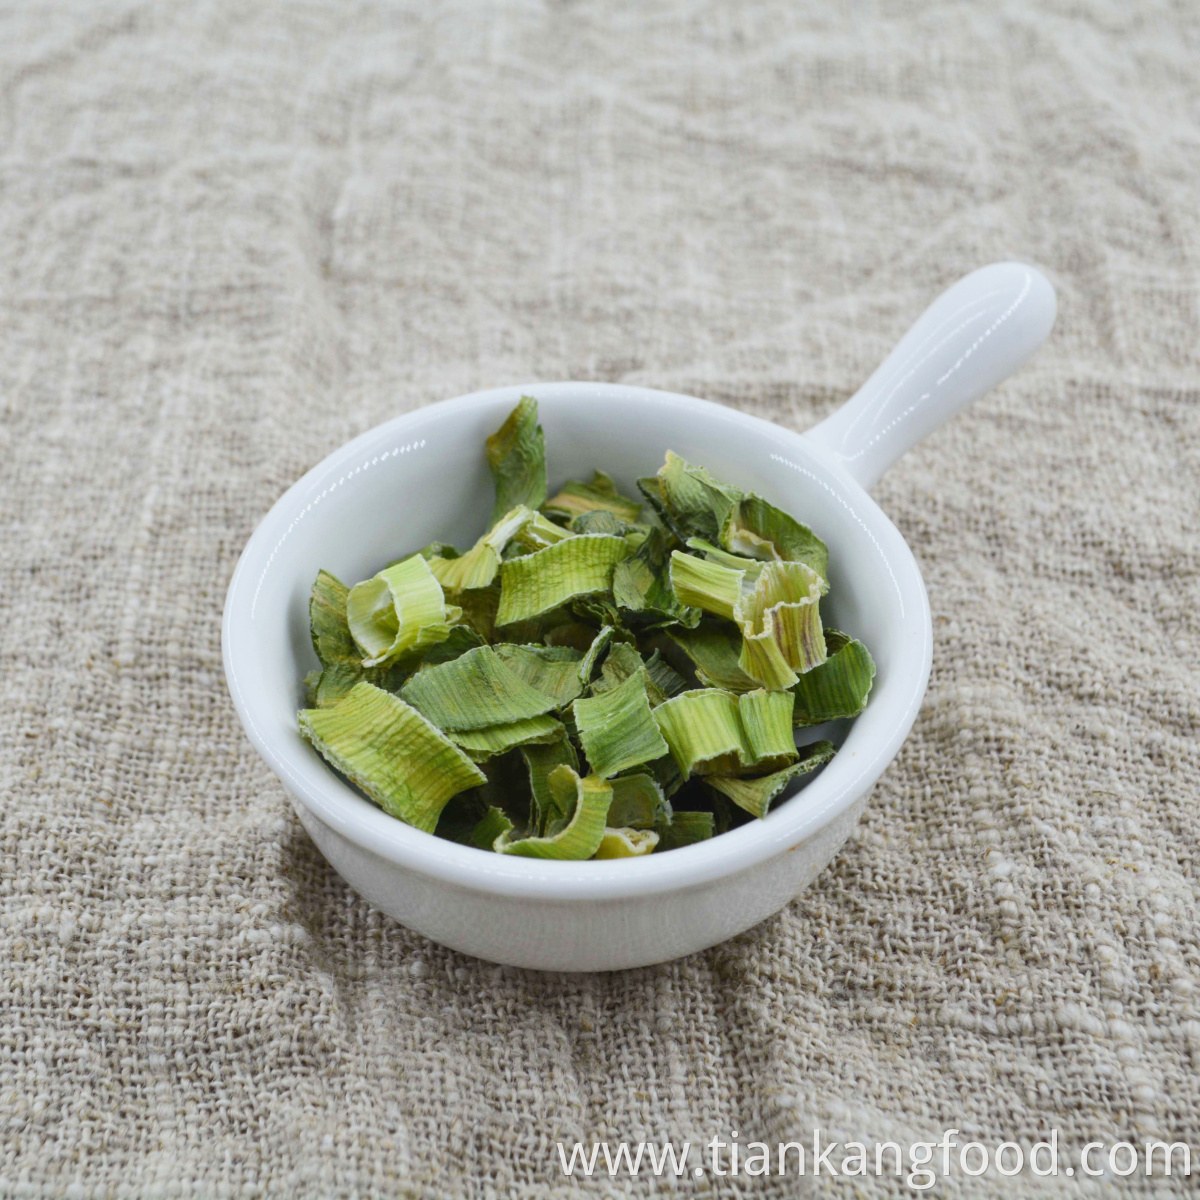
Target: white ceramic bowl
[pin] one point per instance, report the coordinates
(423, 477)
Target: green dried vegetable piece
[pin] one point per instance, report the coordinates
(578, 836)
(460, 639)
(494, 824)
(539, 762)
(781, 624)
(404, 763)
(699, 504)
(767, 722)
(480, 565)
(553, 670)
(490, 740)
(516, 453)
(839, 686)
(617, 728)
(474, 691)
(706, 585)
(637, 802)
(755, 795)
(703, 732)
(757, 529)
(662, 680)
(541, 582)
(600, 520)
(641, 583)
(340, 658)
(684, 829)
(620, 662)
(735, 562)
(709, 733)
(400, 611)
(601, 494)
(626, 843)
(587, 665)
(715, 650)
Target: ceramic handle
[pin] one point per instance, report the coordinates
(973, 336)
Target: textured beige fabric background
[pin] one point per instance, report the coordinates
(232, 236)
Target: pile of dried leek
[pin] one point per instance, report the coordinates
(583, 683)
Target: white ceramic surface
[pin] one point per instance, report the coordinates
(422, 477)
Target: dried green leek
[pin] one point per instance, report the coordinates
(593, 677)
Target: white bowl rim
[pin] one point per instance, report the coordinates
(871, 744)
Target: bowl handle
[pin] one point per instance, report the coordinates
(973, 336)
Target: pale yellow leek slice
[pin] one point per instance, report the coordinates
(516, 453)
(600, 495)
(480, 565)
(475, 690)
(538, 583)
(626, 843)
(578, 835)
(617, 728)
(396, 756)
(839, 686)
(398, 612)
(755, 796)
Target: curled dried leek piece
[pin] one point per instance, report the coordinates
(626, 843)
(400, 611)
(575, 499)
(404, 763)
(839, 686)
(710, 733)
(618, 729)
(516, 453)
(755, 795)
(757, 529)
(552, 670)
(637, 802)
(538, 583)
(578, 834)
(489, 740)
(781, 624)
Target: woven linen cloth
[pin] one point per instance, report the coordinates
(234, 236)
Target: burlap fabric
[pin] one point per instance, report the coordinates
(232, 237)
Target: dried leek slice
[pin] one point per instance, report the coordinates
(578, 835)
(480, 565)
(626, 843)
(400, 611)
(684, 829)
(781, 624)
(698, 503)
(477, 689)
(489, 740)
(706, 585)
(757, 529)
(494, 823)
(641, 585)
(637, 802)
(540, 582)
(340, 658)
(516, 453)
(618, 729)
(552, 670)
(601, 494)
(540, 760)
(839, 686)
(402, 761)
(595, 652)
(709, 731)
(715, 650)
(755, 795)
